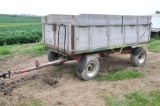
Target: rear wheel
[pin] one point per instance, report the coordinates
(138, 56)
(103, 54)
(88, 67)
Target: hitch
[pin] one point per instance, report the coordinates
(6, 74)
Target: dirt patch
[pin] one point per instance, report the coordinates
(50, 82)
(6, 88)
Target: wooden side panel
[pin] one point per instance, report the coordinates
(99, 37)
(82, 38)
(91, 32)
(130, 33)
(49, 34)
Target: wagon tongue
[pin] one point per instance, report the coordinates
(7, 74)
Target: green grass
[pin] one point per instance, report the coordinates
(119, 74)
(37, 50)
(113, 100)
(34, 49)
(137, 98)
(34, 102)
(31, 102)
(154, 45)
(4, 50)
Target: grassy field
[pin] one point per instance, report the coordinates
(154, 45)
(35, 49)
(136, 98)
(119, 74)
(19, 29)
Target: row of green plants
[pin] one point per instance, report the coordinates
(27, 38)
(3, 24)
(20, 34)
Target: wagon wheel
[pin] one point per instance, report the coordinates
(88, 67)
(52, 56)
(138, 56)
(104, 54)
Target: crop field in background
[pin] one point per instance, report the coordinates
(19, 29)
(18, 19)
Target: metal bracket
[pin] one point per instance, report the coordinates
(6, 74)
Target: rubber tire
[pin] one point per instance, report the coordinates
(82, 66)
(135, 61)
(52, 56)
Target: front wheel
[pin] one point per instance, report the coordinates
(52, 56)
(88, 68)
(138, 56)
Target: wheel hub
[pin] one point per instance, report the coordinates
(141, 57)
(91, 69)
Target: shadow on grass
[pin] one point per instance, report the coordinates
(66, 68)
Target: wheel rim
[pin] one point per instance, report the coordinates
(142, 57)
(91, 69)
